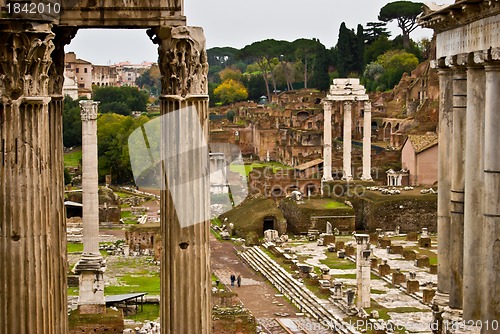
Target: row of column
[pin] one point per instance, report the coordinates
(469, 186)
(347, 143)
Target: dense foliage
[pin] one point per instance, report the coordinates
(270, 66)
(113, 131)
(120, 100)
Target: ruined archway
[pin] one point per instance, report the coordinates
(32, 239)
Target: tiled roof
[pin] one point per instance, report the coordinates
(422, 142)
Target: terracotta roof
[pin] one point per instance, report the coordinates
(309, 164)
(422, 142)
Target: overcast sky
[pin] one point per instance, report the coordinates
(237, 23)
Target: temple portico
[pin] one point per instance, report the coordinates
(468, 61)
(347, 96)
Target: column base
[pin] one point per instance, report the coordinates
(326, 178)
(347, 178)
(366, 178)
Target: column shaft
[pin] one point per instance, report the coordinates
(457, 186)
(185, 263)
(473, 211)
(90, 188)
(32, 259)
(327, 141)
(367, 141)
(491, 198)
(444, 179)
(347, 174)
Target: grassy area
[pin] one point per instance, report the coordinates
(334, 262)
(73, 158)
(132, 283)
(74, 248)
(126, 214)
(325, 203)
(149, 312)
(245, 169)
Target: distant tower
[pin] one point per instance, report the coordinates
(91, 266)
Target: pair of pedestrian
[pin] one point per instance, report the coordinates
(235, 279)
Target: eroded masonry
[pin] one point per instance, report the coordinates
(32, 226)
(468, 60)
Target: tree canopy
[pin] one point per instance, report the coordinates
(120, 100)
(405, 13)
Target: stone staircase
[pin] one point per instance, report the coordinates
(295, 291)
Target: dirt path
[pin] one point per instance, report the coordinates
(255, 293)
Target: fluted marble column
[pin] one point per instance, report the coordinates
(474, 183)
(367, 142)
(185, 262)
(491, 232)
(347, 174)
(457, 186)
(327, 142)
(32, 288)
(444, 181)
(91, 266)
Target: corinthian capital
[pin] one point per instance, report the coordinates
(25, 59)
(88, 110)
(183, 60)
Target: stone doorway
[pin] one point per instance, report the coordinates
(269, 223)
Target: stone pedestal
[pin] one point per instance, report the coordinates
(185, 305)
(412, 286)
(398, 278)
(349, 250)
(409, 254)
(428, 295)
(374, 263)
(422, 261)
(384, 243)
(425, 242)
(384, 269)
(363, 283)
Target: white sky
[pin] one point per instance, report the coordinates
(237, 23)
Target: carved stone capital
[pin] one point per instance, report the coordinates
(25, 59)
(88, 110)
(183, 60)
(63, 37)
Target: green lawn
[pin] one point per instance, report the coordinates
(149, 283)
(245, 169)
(73, 158)
(74, 248)
(149, 312)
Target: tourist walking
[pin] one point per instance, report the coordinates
(239, 281)
(233, 278)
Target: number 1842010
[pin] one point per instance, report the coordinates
(33, 8)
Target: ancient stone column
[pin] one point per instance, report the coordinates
(367, 142)
(474, 175)
(327, 142)
(363, 267)
(491, 197)
(185, 262)
(445, 128)
(32, 231)
(457, 185)
(91, 266)
(347, 174)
